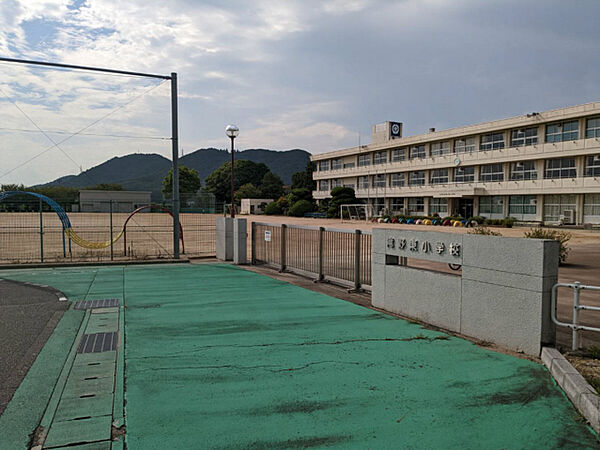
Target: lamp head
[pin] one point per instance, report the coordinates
(232, 131)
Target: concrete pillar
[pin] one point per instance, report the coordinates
(505, 205)
(224, 238)
(539, 208)
(240, 241)
(579, 211)
(426, 205)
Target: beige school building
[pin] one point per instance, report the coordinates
(538, 167)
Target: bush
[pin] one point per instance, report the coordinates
(483, 230)
(300, 208)
(299, 194)
(480, 220)
(508, 222)
(561, 236)
(273, 209)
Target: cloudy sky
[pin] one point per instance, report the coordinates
(291, 74)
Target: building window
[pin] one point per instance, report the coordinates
(519, 205)
(592, 127)
(439, 176)
(349, 185)
(416, 178)
(324, 185)
(323, 166)
(438, 206)
(491, 204)
(397, 204)
(364, 160)
(379, 181)
(417, 151)
(349, 165)
(592, 166)
(464, 174)
(525, 136)
(492, 172)
(363, 182)
(336, 182)
(416, 205)
(378, 205)
(491, 141)
(336, 164)
(591, 206)
(523, 170)
(397, 180)
(560, 168)
(380, 157)
(464, 145)
(398, 154)
(556, 205)
(440, 148)
(562, 131)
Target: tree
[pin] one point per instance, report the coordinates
(271, 186)
(340, 196)
(300, 194)
(106, 187)
(247, 191)
(304, 179)
(246, 171)
(189, 182)
(300, 208)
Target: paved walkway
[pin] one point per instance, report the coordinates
(220, 357)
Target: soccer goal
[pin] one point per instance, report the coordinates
(350, 213)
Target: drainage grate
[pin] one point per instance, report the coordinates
(98, 342)
(102, 303)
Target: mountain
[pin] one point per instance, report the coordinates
(145, 172)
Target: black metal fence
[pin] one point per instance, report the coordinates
(338, 255)
(32, 232)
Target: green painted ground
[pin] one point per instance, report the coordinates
(221, 357)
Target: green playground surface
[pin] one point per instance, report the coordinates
(221, 357)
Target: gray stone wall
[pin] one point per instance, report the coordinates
(501, 296)
(231, 240)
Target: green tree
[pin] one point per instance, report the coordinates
(247, 191)
(340, 196)
(300, 194)
(106, 187)
(189, 182)
(271, 186)
(304, 179)
(300, 208)
(219, 182)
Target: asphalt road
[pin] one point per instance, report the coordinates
(28, 317)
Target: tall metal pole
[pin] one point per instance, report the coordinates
(41, 232)
(175, 139)
(232, 176)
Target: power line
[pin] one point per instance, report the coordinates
(121, 136)
(82, 129)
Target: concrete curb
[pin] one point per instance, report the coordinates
(582, 395)
(49, 265)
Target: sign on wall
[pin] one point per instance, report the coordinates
(433, 246)
(267, 236)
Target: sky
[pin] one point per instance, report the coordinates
(303, 74)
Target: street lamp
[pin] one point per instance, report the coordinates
(232, 131)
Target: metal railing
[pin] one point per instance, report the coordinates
(337, 255)
(574, 325)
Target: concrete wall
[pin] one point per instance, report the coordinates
(502, 296)
(123, 201)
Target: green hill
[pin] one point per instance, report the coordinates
(145, 172)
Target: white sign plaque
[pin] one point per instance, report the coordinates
(267, 236)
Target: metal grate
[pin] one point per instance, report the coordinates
(98, 342)
(102, 303)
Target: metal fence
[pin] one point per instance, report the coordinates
(575, 325)
(30, 232)
(342, 256)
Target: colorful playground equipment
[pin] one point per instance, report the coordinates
(73, 236)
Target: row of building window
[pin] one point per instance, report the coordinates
(519, 206)
(554, 169)
(555, 132)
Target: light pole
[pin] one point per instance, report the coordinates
(232, 131)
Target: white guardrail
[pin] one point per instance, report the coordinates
(577, 288)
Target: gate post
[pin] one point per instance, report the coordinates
(41, 233)
(321, 252)
(357, 260)
(283, 233)
(253, 240)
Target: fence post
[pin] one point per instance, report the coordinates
(357, 260)
(41, 232)
(283, 233)
(321, 252)
(576, 288)
(110, 208)
(253, 240)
